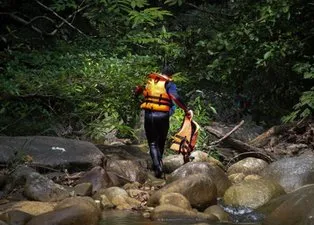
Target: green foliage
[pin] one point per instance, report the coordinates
(305, 107)
(89, 90)
(150, 16)
(263, 48)
(251, 46)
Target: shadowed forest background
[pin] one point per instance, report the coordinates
(69, 67)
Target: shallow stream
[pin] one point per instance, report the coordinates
(134, 218)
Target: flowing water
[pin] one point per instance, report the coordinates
(133, 218)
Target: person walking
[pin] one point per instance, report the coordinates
(160, 94)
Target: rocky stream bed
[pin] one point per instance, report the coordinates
(58, 181)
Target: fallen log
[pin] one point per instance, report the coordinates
(240, 146)
(264, 138)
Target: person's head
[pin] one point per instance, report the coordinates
(167, 70)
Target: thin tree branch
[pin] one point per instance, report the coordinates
(29, 23)
(228, 134)
(61, 18)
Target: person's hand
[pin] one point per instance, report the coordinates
(189, 114)
(138, 90)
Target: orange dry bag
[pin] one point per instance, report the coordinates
(185, 140)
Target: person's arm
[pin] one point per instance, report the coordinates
(173, 93)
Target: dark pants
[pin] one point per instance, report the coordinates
(156, 126)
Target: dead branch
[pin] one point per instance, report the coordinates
(228, 134)
(239, 145)
(61, 18)
(264, 138)
(29, 23)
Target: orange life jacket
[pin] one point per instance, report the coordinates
(155, 93)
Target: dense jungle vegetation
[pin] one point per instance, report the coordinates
(69, 67)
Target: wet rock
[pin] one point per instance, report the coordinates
(106, 203)
(133, 185)
(18, 178)
(138, 194)
(252, 193)
(200, 156)
(295, 208)
(33, 208)
(218, 212)
(120, 198)
(16, 217)
(236, 178)
(53, 152)
(83, 189)
(291, 173)
(126, 152)
(172, 162)
(77, 210)
(40, 188)
(175, 199)
(122, 172)
(252, 177)
(216, 174)
(247, 166)
(170, 212)
(98, 177)
(199, 189)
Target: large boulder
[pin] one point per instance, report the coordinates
(295, 208)
(40, 188)
(247, 166)
(200, 156)
(126, 152)
(216, 174)
(291, 173)
(172, 162)
(125, 163)
(252, 193)
(98, 177)
(120, 198)
(199, 189)
(78, 210)
(175, 199)
(122, 172)
(54, 152)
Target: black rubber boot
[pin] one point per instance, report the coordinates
(156, 158)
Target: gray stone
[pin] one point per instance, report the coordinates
(247, 166)
(83, 189)
(216, 174)
(16, 217)
(291, 173)
(54, 152)
(77, 210)
(199, 189)
(172, 162)
(40, 188)
(98, 177)
(252, 193)
(295, 208)
(171, 212)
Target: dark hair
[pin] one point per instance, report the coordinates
(167, 70)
